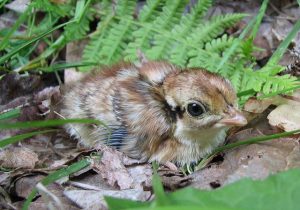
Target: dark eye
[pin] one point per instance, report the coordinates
(195, 109)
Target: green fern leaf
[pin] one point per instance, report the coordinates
(92, 50)
(219, 45)
(179, 53)
(213, 28)
(151, 10)
(75, 31)
(116, 42)
(61, 10)
(112, 34)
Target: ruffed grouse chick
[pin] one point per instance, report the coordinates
(154, 111)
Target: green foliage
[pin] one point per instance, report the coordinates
(56, 176)
(280, 191)
(178, 31)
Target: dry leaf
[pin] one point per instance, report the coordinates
(112, 169)
(17, 157)
(91, 199)
(286, 117)
(255, 161)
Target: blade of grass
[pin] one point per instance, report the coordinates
(55, 176)
(254, 23)
(80, 10)
(29, 42)
(3, 3)
(10, 114)
(16, 25)
(284, 45)
(259, 18)
(160, 195)
(62, 66)
(46, 123)
(17, 138)
(254, 140)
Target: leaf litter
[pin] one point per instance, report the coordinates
(113, 174)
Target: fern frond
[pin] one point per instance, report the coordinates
(92, 50)
(192, 17)
(151, 10)
(112, 35)
(61, 10)
(170, 15)
(152, 38)
(178, 53)
(202, 34)
(75, 31)
(210, 61)
(115, 42)
(213, 28)
(125, 9)
(220, 44)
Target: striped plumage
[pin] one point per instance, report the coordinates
(154, 110)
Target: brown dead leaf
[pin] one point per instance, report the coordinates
(287, 115)
(256, 161)
(141, 175)
(16, 157)
(112, 169)
(257, 106)
(48, 197)
(25, 184)
(173, 180)
(91, 199)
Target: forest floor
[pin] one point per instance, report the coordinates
(25, 163)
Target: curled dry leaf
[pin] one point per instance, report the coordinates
(17, 157)
(112, 169)
(257, 106)
(287, 115)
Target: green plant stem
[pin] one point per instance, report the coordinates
(14, 139)
(61, 66)
(55, 176)
(10, 114)
(20, 20)
(3, 3)
(277, 55)
(255, 22)
(259, 18)
(254, 140)
(46, 123)
(26, 44)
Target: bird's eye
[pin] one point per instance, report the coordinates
(195, 109)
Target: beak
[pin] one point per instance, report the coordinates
(234, 118)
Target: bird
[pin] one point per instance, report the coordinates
(153, 110)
